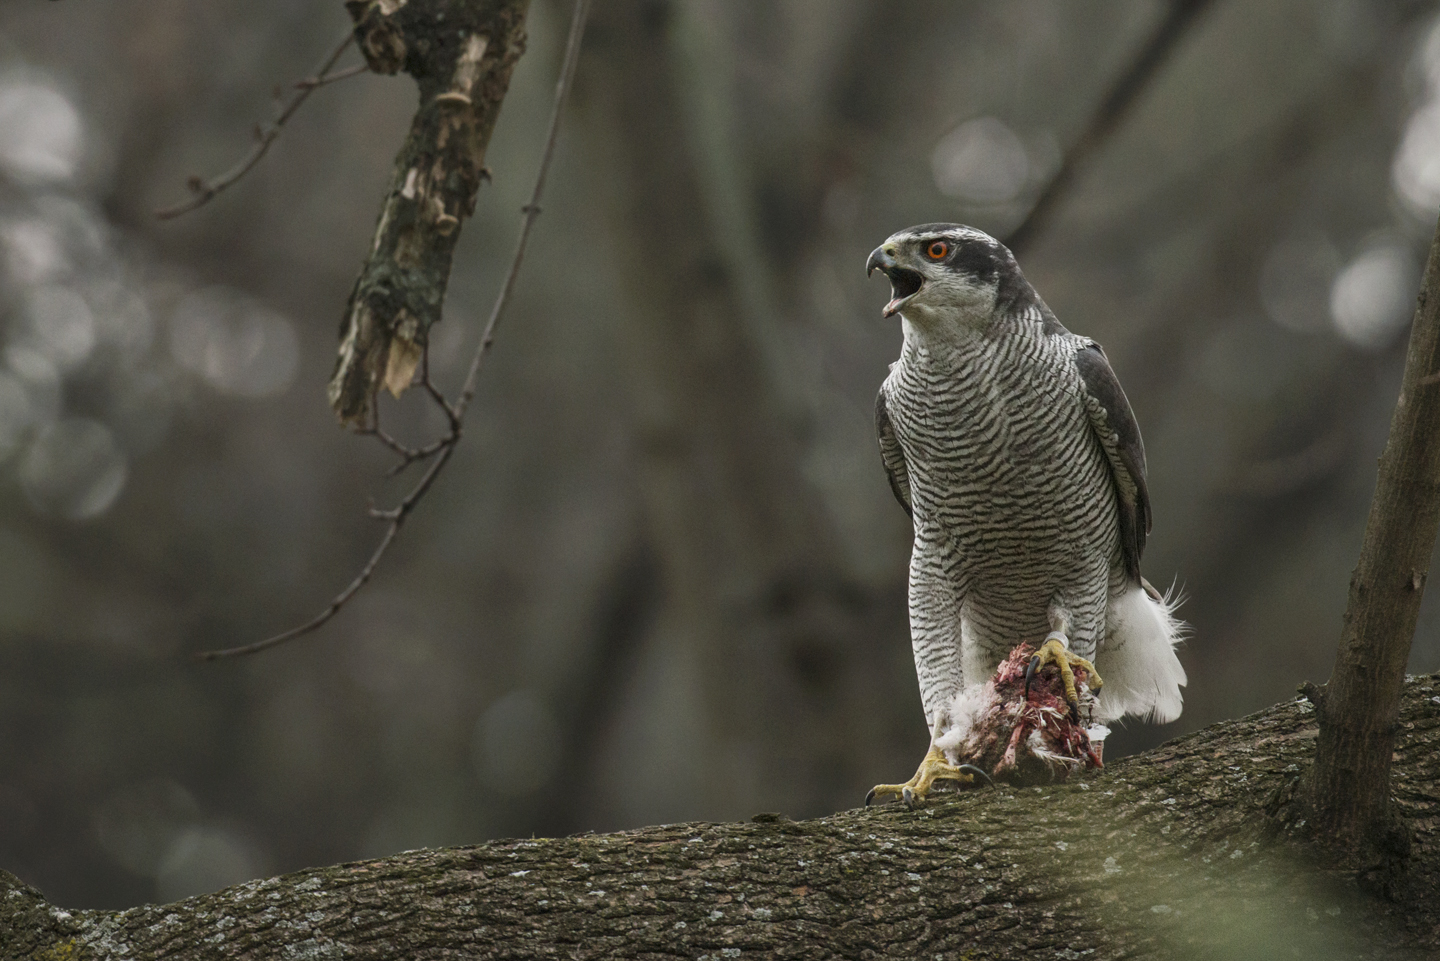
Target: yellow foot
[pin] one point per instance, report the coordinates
(1054, 651)
(914, 791)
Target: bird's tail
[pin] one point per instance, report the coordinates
(1137, 660)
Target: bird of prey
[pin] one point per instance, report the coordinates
(1009, 442)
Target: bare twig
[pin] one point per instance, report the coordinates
(529, 212)
(405, 452)
(204, 191)
(1117, 103)
(443, 448)
(329, 612)
(408, 455)
(310, 83)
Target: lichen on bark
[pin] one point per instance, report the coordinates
(1177, 853)
(461, 53)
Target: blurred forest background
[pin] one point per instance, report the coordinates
(664, 578)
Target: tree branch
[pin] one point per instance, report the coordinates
(442, 448)
(1348, 790)
(461, 55)
(1117, 104)
(206, 191)
(1169, 854)
(310, 83)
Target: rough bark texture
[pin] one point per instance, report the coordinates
(1169, 854)
(1347, 791)
(461, 54)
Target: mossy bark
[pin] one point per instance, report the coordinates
(1183, 852)
(461, 54)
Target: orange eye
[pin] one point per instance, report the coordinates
(937, 250)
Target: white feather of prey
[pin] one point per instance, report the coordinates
(1137, 658)
(956, 733)
(1039, 749)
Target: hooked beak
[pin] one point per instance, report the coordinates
(904, 282)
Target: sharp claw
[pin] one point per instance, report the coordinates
(975, 771)
(869, 797)
(1030, 670)
(909, 797)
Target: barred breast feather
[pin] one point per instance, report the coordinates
(1025, 491)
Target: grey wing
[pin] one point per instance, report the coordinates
(892, 456)
(1114, 424)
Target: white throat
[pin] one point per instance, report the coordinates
(939, 328)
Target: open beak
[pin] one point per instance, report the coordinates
(904, 282)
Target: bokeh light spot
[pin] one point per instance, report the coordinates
(1374, 296)
(234, 343)
(982, 161)
(1415, 171)
(139, 825)
(40, 132)
(34, 251)
(41, 380)
(73, 469)
(59, 325)
(202, 860)
(122, 318)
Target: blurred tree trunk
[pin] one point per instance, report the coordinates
(1167, 855)
(756, 592)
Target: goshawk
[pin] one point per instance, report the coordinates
(1011, 445)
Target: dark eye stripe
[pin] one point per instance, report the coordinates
(978, 260)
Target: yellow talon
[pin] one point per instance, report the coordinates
(1054, 651)
(917, 789)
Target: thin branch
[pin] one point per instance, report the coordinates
(452, 414)
(443, 448)
(1117, 103)
(531, 210)
(413, 455)
(329, 612)
(405, 452)
(310, 83)
(205, 191)
(409, 455)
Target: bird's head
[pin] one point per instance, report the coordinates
(948, 273)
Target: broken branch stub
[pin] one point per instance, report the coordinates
(461, 54)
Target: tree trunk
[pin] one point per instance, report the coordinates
(1347, 792)
(1170, 854)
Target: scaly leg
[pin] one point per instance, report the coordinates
(1056, 650)
(933, 768)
